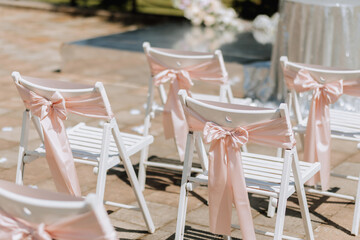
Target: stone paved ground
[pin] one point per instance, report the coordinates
(30, 43)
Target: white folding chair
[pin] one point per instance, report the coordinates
(102, 148)
(344, 125)
(266, 175)
(24, 211)
(206, 67)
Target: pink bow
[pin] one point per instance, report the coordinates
(225, 168)
(171, 75)
(52, 112)
(85, 226)
(174, 121)
(13, 228)
(53, 108)
(318, 132)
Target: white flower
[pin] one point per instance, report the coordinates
(196, 21)
(264, 28)
(210, 13)
(209, 20)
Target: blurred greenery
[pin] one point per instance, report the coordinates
(247, 9)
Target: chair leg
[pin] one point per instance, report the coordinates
(23, 145)
(183, 198)
(356, 218)
(101, 179)
(144, 155)
(280, 218)
(147, 124)
(300, 190)
(133, 179)
(200, 148)
(142, 167)
(138, 193)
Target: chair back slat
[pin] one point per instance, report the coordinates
(46, 88)
(232, 115)
(39, 206)
(328, 74)
(178, 60)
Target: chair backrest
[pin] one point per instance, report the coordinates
(320, 73)
(40, 206)
(46, 88)
(232, 115)
(178, 60)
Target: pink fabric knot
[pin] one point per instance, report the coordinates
(236, 137)
(13, 228)
(40, 233)
(328, 93)
(182, 76)
(54, 108)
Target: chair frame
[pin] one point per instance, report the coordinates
(101, 163)
(151, 109)
(293, 103)
(289, 162)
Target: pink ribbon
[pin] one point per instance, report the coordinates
(51, 113)
(81, 227)
(318, 132)
(225, 168)
(174, 121)
(173, 114)
(227, 183)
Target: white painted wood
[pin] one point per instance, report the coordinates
(356, 217)
(271, 208)
(280, 217)
(23, 147)
(301, 196)
(183, 198)
(270, 176)
(103, 148)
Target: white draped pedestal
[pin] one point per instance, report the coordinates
(322, 32)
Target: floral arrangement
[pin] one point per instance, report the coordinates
(211, 13)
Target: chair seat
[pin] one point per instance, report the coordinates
(85, 142)
(263, 173)
(344, 125)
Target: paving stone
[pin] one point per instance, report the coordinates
(126, 230)
(161, 214)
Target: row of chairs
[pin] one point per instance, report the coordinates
(344, 126)
(275, 177)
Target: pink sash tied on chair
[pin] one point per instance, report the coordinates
(51, 113)
(174, 121)
(173, 114)
(224, 170)
(80, 227)
(318, 132)
(226, 182)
